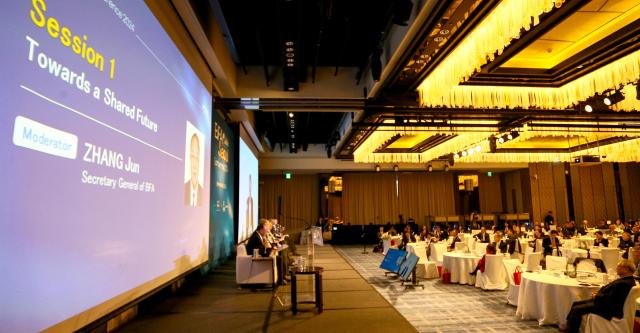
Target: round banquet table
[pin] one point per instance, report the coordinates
(548, 298)
(460, 265)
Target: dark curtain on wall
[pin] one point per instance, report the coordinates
(371, 197)
(294, 202)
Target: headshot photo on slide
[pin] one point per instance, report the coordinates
(193, 167)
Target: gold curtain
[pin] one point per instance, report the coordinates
(298, 197)
(371, 197)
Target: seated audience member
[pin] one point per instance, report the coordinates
(424, 233)
(612, 232)
(551, 243)
(618, 225)
(392, 231)
(483, 236)
(491, 249)
(454, 234)
(569, 230)
(537, 234)
(407, 237)
(498, 243)
(635, 252)
(627, 227)
(608, 302)
(517, 231)
(513, 243)
(625, 243)
(600, 240)
(635, 233)
(581, 228)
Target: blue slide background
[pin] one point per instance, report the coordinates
(67, 247)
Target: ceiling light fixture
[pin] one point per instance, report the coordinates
(478, 148)
(614, 98)
(377, 167)
(395, 168)
(456, 155)
(429, 168)
(288, 43)
(290, 114)
(588, 108)
(446, 167)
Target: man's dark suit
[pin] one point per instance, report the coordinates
(187, 194)
(604, 242)
(546, 244)
(514, 245)
(607, 303)
(500, 247)
(255, 242)
(483, 237)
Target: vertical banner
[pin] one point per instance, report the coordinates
(221, 238)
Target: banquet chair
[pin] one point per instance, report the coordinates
(512, 293)
(610, 257)
(250, 271)
(437, 250)
(493, 277)
(532, 261)
(424, 268)
(556, 263)
(593, 323)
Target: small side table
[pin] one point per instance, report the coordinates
(317, 273)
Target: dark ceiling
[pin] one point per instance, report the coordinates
(325, 32)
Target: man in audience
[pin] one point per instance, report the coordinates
(498, 243)
(581, 229)
(513, 244)
(537, 235)
(569, 229)
(483, 236)
(612, 232)
(454, 234)
(600, 240)
(625, 243)
(635, 233)
(608, 302)
(551, 243)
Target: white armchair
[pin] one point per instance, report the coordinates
(494, 276)
(254, 271)
(596, 324)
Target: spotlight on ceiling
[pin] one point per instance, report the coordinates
(429, 168)
(456, 155)
(464, 153)
(446, 167)
(501, 139)
(478, 148)
(470, 151)
(614, 98)
(588, 108)
(509, 136)
(395, 168)
(290, 114)
(377, 167)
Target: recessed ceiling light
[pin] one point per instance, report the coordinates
(289, 54)
(438, 39)
(290, 114)
(588, 108)
(444, 31)
(288, 43)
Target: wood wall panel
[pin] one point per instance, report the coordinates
(490, 195)
(548, 190)
(594, 192)
(630, 187)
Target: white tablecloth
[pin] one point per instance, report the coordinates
(584, 241)
(548, 298)
(419, 249)
(460, 265)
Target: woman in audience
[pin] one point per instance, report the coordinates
(516, 231)
(600, 240)
(491, 249)
(537, 235)
(424, 233)
(407, 237)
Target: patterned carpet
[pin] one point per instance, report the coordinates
(441, 308)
